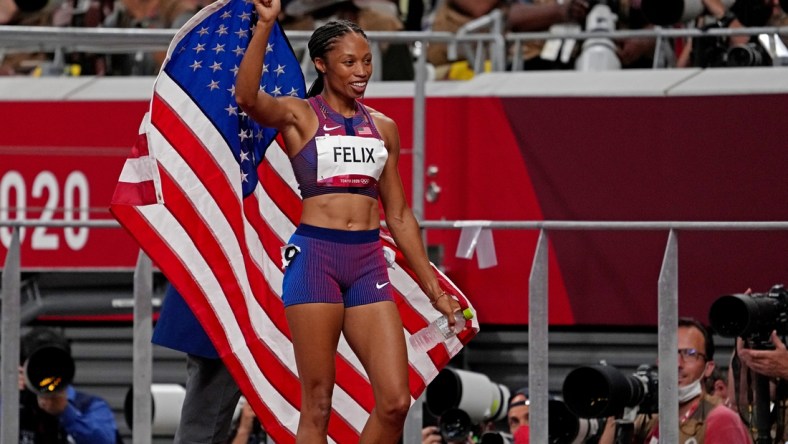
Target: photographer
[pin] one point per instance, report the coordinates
(516, 417)
(518, 414)
(717, 385)
(57, 413)
(759, 322)
(716, 52)
(702, 418)
(211, 391)
(771, 363)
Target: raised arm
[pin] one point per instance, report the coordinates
(272, 112)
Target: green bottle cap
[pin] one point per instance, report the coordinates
(467, 313)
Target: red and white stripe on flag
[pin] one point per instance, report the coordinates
(180, 197)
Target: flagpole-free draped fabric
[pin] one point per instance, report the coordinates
(210, 196)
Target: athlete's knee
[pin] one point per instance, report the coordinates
(394, 408)
(317, 406)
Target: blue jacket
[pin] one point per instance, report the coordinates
(87, 419)
(178, 328)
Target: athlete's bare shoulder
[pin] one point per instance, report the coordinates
(382, 121)
(294, 103)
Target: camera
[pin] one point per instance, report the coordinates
(599, 391)
(49, 369)
(599, 54)
(496, 438)
(565, 427)
(455, 426)
(473, 393)
(751, 316)
(716, 53)
(166, 404)
(47, 365)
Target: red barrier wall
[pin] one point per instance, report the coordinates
(711, 158)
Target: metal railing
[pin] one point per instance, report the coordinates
(485, 33)
(538, 349)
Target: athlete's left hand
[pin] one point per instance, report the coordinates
(447, 305)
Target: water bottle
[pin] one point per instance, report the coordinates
(438, 331)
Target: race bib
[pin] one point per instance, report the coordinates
(349, 161)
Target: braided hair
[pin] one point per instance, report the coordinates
(323, 40)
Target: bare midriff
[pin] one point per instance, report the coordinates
(341, 212)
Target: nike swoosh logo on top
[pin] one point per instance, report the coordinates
(326, 128)
(379, 285)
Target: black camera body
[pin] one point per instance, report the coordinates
(599, 391)
(715, 52)
(496, 438)
(751, 316)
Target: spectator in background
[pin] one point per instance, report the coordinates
(85, 14)
(60, 13)
(711, 52)
(247, 428)
(779, 17)
(518, 414)
(59, 414)
(772, 363)
(702, 418)
(716, 384)
(370, 15)
(211, 392)
(147, 14)
(543, 15)
(521, 16)
(23, 13)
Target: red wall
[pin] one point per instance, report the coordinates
(681, 158)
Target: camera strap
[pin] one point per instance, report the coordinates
(736, 369)
(780, 410)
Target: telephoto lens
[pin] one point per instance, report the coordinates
(599, 391)
(455, 426)
(49, 369)
(751, 316)
(567, 428)
(751, 54)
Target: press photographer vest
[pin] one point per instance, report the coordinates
(692, 430)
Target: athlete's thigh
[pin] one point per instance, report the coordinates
(374, 332)
(315, 330)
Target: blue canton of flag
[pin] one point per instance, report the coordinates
(205, 63)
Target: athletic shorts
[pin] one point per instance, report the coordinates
(334, 266)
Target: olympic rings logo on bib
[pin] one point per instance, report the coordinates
(349, 161)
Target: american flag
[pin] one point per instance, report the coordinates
(211, 197)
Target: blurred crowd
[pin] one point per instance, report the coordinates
(519, 16)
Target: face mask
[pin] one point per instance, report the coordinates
(690, 391)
